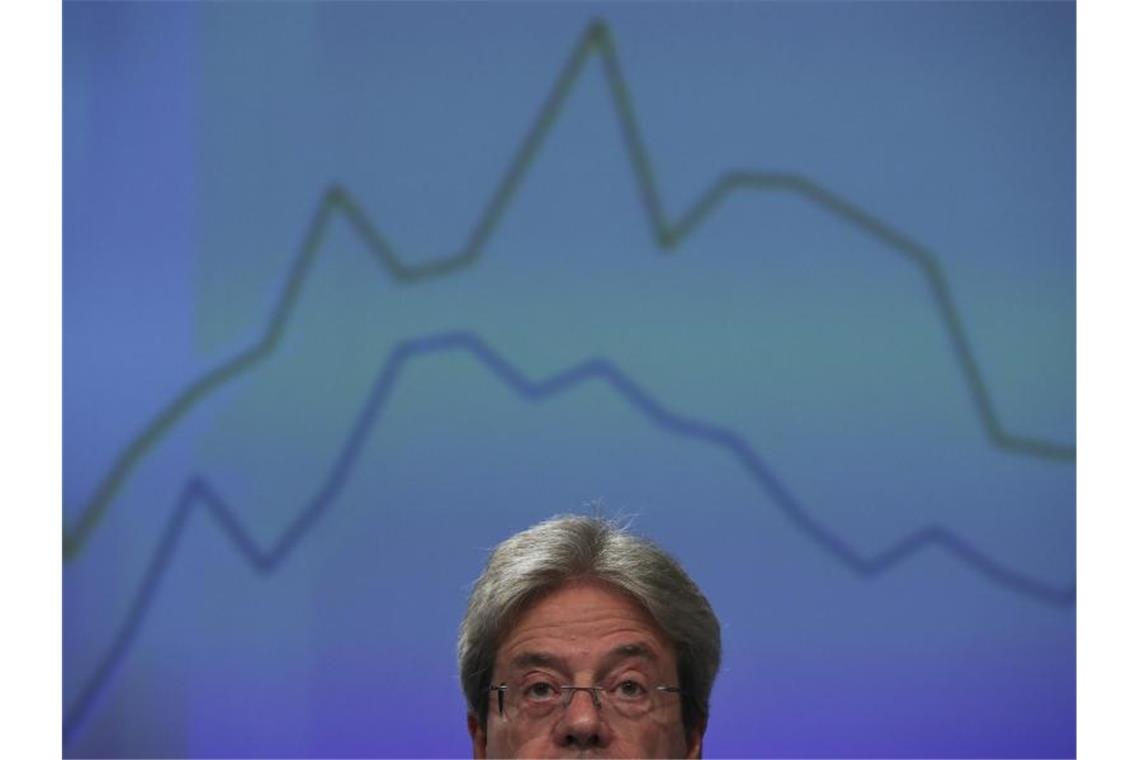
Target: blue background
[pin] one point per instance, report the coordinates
(776, 398)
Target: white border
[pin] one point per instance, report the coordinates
(1107, 380)
(30, 346)
(1108, 288)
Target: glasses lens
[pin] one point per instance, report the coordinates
(532, 699)
(631, 699)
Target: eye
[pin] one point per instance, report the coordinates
(540, 691)
(629, 690)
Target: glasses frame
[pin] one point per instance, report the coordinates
(568, 691)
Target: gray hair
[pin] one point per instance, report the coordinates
(569, 547)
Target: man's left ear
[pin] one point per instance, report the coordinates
(696, 737)
(478, 737)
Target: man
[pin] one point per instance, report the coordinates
(581, 639)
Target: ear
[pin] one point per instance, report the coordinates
(695, 738)
(478, 737)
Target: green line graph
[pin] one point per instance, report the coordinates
(597, 39)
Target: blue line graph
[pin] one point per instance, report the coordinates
(668, 235)
(199, 491)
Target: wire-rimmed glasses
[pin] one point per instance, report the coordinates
(534, 700)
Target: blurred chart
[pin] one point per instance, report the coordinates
(352, 291)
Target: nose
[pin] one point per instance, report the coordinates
(581, 725)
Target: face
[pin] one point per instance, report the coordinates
(586, 634)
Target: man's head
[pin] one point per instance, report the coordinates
(579, 602)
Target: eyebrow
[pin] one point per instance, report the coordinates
(634, 650)
(538, 659)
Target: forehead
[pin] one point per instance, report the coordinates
(581, 624)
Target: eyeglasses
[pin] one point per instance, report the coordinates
(533, 700)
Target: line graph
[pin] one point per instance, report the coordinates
(200, 492)
(597, 39)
